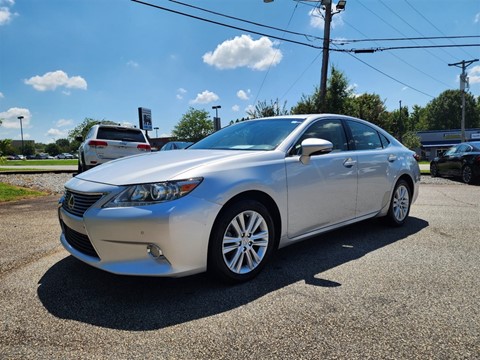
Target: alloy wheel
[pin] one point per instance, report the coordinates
(401, 203)
(245, 242)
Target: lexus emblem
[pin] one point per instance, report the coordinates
(71, 202)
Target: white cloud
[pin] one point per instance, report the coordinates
(56, 133)
(477, 18)
(1, 95)
(474, 75)
(243, 95)
(10, 118)
(180, 93)
(133, 64)
(205, 98)
(59, 78)
(243, 51)
(235, 108)
(5, 15)
(317, 21)
(64, 122)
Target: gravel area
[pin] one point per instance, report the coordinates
(53, 183)
(49, 182)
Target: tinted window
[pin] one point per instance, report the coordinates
(385, 141)
(462, 148)
(364, 137)
(331, 130)
(128, 135)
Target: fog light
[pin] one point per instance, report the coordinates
(154, 251)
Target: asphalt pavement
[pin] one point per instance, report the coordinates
(367, 291)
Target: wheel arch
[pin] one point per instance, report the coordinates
(267, 201)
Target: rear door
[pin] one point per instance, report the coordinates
(322, 192)
(377, 166)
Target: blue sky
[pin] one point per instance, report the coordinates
(62, 61)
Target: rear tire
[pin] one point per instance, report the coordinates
(399, 204)
(241, 241)
(433, 170)
(467, 174)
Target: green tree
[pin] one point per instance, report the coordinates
(369, 107)
(338, 93)
(52, 149)
(336, 99)
(63, 145)
(262, 109)
(193, 126)
(29, 148)
(445, 111)
(6, 147)
(411, 140)
(83, 129)
(418, 118)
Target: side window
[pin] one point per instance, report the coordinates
(364, 137)
(462, 148)
(450, 151)
(331, 130)
(90, 133)
(385, 141)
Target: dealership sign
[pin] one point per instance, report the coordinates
(145, 118)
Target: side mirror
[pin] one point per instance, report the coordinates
(314, 146)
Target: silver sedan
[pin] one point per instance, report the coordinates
(230, 200)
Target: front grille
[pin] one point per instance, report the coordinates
(77, 203)
(79, 241)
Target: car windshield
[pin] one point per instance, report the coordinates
(250, 135)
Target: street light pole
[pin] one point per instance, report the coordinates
(156, 131)
(216, 119)
(21, 130)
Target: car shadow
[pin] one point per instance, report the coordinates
(73, 290)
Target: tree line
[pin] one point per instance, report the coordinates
(442, 113)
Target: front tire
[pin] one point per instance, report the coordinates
(241, 241)
(400, 204)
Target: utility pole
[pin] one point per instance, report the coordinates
(326, 50)
(463, 84)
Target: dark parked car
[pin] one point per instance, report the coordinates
(175, 145)
(462, 160)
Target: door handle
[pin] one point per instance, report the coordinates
(392, 157)
(349, 162)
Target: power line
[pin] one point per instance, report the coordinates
(307, 36)
(402, 60)
(389, 76)
(347, 41)
(413, 28)
(432, 24)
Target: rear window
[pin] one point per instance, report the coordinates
(128, 135)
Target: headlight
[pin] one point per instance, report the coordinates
(148, 194)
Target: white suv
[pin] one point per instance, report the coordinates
(108, 142)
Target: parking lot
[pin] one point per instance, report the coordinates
(366, 291)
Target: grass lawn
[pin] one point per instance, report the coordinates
(15, 169)
(40, 162)
(13, 193)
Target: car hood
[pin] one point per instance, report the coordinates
(158, 166)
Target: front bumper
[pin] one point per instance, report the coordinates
(117, 239)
